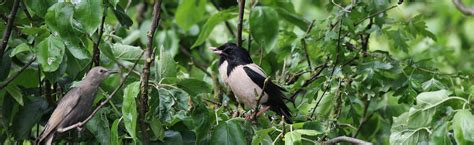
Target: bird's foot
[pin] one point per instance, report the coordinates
(251, 117)
(79, 128)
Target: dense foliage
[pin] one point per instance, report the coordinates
(387, 72)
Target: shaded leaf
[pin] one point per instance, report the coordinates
(212, 22)
(264, 26)
(50, 53)
(129, 108)
(463, 127)
(89, 13)
(228, 133)
(189, 12)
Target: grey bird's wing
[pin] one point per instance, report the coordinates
(65, 106)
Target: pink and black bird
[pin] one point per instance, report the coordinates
(247, 80)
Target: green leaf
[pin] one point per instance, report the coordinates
(194, 86)
(166, 65)
(59, 19)
(173, 102)
(212, 22)
(23, 47)
(410, 137)
(292, 138)
(440, 134)
(114, 135)
(15, 92)
(228, 133)
(463, 127)
(189, 12)
(308, 132)
(99, 126)
(50, 53)
(432, 98)
(157, 128)
(129, 108)
(89, 13)
(27, 117)
(292, 18)
(123, 18)
(261, 136)
(432, 84)
(126, 52)
(39, 7)
(264, 26)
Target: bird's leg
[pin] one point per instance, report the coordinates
(263, 109)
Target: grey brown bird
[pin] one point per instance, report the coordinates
(247, 80)
(76, 105)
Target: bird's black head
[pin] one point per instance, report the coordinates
(232, 53)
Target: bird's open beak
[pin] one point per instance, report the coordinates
(215, 50)
(112, 72)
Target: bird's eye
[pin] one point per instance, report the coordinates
(102, 71)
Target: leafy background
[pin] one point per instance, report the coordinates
(373, 70)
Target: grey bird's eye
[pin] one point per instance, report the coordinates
(102, 71)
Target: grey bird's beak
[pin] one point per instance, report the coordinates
(112, 72)
(215, 50)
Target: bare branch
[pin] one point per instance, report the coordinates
(82, 123)
(347, 139)
(9, 80)
(144, 79)
(8, 28)
(241, 20)
(96, 50)
(461, 7)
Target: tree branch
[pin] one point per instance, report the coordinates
(82, 123)
(241, 20)
(347, 139)
(96, 50)
(461, 7)
(9, 80)
(144, 79)
(8, 28)
(309, 81)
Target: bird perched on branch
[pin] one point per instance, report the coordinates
(247, 80)
(75, 106)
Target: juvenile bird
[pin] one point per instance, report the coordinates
(76, 105)
(246, 80)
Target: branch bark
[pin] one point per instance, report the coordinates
(461, 7)
(144, 79)
(8, 28)
(347, 139)
(9, 80)
(82, 123)
(241, 20)
(96, 50)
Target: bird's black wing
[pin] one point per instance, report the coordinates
(274, 92)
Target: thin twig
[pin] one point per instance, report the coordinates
(461, 7)
(363, 119)
(309, 81)
(8, 28)
(96, 50)
(241, 20)
(257, 107)
(82, 123)
(303, 44)
(9, 80)
(347, 139)
(144, 79)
